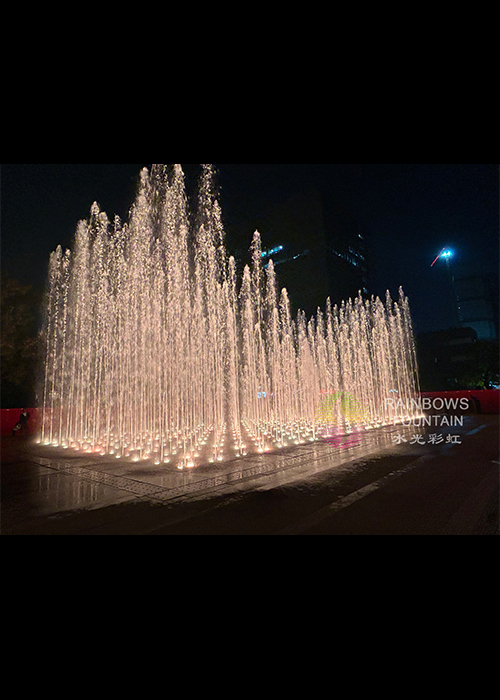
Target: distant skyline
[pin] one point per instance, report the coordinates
(409, 212)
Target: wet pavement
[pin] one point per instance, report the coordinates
(368, 486)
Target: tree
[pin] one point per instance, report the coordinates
(19, 346)
(456, 360)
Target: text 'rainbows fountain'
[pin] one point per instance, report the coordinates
(156, 351)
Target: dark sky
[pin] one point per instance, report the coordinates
(408, 211)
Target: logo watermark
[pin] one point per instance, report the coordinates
(342, 417)
(345, 419)
(427, 439)
(437, 404)
(341, 406)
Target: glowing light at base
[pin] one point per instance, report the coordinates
(157, 352)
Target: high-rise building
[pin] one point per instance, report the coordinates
(318, 251)
(477, 301)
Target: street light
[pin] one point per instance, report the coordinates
(447, 254)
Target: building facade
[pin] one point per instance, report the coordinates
(318, 251)
(477, 302)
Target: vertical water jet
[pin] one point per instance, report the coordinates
(156, 351)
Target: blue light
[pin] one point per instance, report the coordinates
(268, 253)
(447, 254)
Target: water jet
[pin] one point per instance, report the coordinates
(155, 349)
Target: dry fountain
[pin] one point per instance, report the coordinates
(157, 351)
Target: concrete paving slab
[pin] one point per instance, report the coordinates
(371, 488)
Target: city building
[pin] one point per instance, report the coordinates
(445, 358)
(477, 301)
(318, 251)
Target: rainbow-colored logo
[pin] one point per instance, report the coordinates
(340, 408)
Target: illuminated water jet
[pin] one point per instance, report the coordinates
(155, 350)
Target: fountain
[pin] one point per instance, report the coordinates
(156, 351)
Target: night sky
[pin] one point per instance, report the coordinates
(408, 213)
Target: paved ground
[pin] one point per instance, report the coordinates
(370, 486)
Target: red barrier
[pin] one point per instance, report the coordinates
(487, 402)
(9, 418)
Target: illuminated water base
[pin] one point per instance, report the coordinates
(155, 351)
